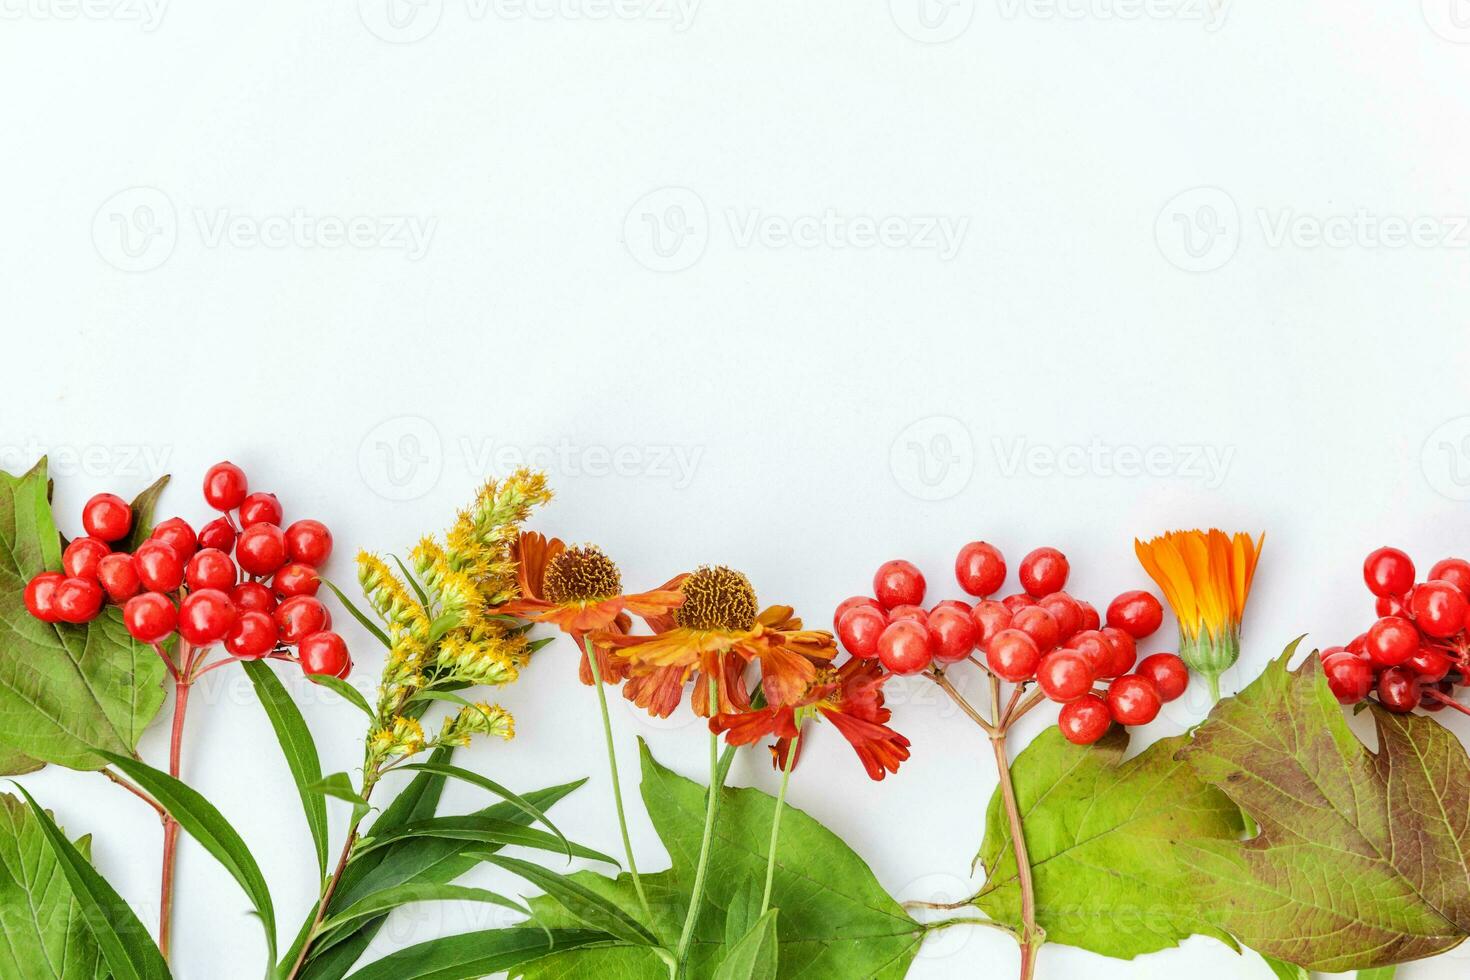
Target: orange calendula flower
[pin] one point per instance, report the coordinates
(850, 697)
(580, 590)
(718, 618)
(1206, 577)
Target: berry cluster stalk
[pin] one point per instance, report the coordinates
(1031, 936)
(186, 672)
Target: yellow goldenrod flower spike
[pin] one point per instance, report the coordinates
(1206, 577)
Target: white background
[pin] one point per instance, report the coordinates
(1115, 179)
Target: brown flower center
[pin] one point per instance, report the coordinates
(582, 574)
(717, 598)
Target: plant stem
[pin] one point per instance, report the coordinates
(183, 683)
(697, 896)
(776, 822)
(965, 706)
(330, 888)
(120, 781)
(1031, 936)
(1214, 682)
(612, 764)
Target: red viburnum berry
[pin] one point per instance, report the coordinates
(309, 542)
(1136, 613)
(899, 583)
(107, 517)
(225, 486)
(859, 629)
(325, 653)
(150, 617)
(1085, 720)
(1044, 571)
(980, 569)
(40, 596)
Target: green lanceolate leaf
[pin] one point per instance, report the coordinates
(485, 783)
(359, 615)
(477, 954)
(297, 746)
(1379, 973)
(416, 859)
(64, 690)
(413, 583)
(483, 830)
(351, 694)
(417, 800)
(339, 787)
(389, 899)
(1103, 836)
(835, 921)
(1361, 857)
(755, 955)
(201, 821)
(123, 941)
(579, 901)
(42, 932)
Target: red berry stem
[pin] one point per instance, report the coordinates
(183, 683)
(1446, 700)
(1031, 936)
(120, 781)
(937, 676)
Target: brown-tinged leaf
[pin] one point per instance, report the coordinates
(1362, 857)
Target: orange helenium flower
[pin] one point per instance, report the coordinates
(719, 618)
(579, 590)
(850, 697)
(1206, 578)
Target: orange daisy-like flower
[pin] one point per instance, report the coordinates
(579, 590)
(718, 618)
(850, 697)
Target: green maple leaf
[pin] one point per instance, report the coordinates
(42, 931)
(1105, 838)
(835, 919)
(64, 690)
(1362, 858)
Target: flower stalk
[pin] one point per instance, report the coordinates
(776, 822)
(612, 764)
(716, 784)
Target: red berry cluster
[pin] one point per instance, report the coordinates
(1419, 648)
(261, 600)
(1040, 634)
